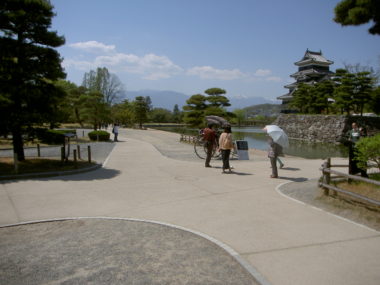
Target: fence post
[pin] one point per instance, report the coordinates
(75, 158)
(62, 153)
(15, 161)
(326, 175)
(89, 153)
(78, 150)
(38, 150)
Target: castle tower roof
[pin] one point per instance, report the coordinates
(315, 58)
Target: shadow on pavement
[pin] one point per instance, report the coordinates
(297, 179)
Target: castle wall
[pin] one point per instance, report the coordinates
(323, 128)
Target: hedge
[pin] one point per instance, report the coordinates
(52, 136)
(101, 135)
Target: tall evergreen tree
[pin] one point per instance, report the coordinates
(28, 66)
(140, 110)
(358, 12)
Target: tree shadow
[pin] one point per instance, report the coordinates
(297, 179)
(92, 174)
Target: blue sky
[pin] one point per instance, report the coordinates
(247, 47)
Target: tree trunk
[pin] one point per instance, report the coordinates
(18, 144)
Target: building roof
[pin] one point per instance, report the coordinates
(309, 72)
(313, 57)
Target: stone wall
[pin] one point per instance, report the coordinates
(323, 128)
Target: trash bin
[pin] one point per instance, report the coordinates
(242, 150)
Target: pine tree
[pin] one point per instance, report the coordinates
(28, 66)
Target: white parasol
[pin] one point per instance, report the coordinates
(278, 135)
(217, 120)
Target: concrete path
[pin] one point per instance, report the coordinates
(285, 241)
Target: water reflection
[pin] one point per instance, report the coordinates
(256, 138)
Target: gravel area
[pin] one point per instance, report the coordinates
(104, 251)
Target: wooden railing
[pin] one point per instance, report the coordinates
(188, 138)
(327, 178)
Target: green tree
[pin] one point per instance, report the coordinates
(105, 83)
(364, 85)
(71, 105)
(177, 115)
(324, 92)
(140, 110)
(358, 12)
(194, 110)
(344, 90)
(240, 116)
(122, 113)
(93, 109)
(216, 98)
(368, 150)
(375, 100)
(160, 115)
(302, 98)
(28, 66)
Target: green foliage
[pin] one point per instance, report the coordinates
(99, 135)
(140, 110)
(160, 115)
(240, 116)
(368, 150)
(28, 66)
(375, 100)
(357, 12)
(51, 136)
(93, 109)
(197, 107)
(122, 113)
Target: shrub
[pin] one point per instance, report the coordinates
(51, 136)
(102, 135)
(368, 150)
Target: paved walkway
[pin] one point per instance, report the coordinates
(284, 241)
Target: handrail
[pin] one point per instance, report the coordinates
(326, 179)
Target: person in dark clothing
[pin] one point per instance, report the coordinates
(353, 137)
(273, 151)
(209, 136)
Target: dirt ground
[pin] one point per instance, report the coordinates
(309, 193)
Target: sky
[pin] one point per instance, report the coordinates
(247, 47)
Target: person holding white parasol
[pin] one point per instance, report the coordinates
(277, 140)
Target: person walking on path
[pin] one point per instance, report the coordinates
(115, 131)
(353, 137)
(209, 136)
(225, 146)
(273, 152)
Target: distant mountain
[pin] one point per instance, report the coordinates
(268, 110)
(160, 99)
(167, 99)
(243, 102)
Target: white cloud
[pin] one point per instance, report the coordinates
(209, 72)
(150, 66)
(263, 72)
(93, 46)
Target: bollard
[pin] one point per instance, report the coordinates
(78, 150)
(15, 161)
(38, 150)
(75, 158)
(89, 153)
(83, 134)
(62, 154)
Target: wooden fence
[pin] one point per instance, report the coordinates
(188, 139)
(327, 178)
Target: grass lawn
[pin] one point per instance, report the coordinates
(366, 189)
(36, 165)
